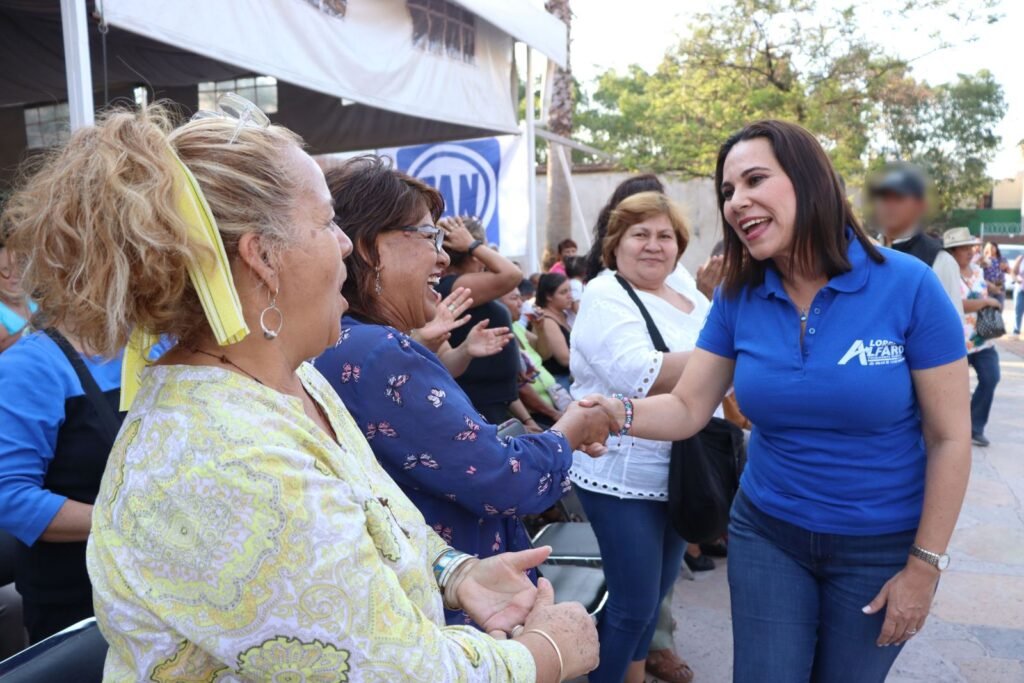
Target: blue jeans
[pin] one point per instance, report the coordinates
(797, 599)
(1018, 308)
(986, 365)
(641, 553)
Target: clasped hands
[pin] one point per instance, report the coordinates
(588, 423)
(499, 596)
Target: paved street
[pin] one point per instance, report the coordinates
(976, 631)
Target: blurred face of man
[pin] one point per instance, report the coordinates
(896, 214)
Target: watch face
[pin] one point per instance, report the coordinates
(943, 562)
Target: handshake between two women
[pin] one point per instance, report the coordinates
(587, 424)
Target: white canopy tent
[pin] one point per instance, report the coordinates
(359, 73)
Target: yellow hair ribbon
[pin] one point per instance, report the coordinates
(211, 279)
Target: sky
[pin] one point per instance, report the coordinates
(604, 36)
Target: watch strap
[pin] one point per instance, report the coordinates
(934, 559)
(473, 245)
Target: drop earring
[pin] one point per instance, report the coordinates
(273, 310)
(378, 287)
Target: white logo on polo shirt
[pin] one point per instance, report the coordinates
(874, 352)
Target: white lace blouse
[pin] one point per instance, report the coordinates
(611, 352)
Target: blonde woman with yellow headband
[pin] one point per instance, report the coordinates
(243, 529)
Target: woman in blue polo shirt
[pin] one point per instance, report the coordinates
(850, 362)
(59, 411)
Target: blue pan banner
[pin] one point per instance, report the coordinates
(485, 178)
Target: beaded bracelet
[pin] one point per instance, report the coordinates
(628, 424)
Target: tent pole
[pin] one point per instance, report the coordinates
(532, 261)
(577, 209)
(73, 15)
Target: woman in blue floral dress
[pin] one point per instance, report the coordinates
(468, 482)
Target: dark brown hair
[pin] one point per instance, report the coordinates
(371, 197)
(547, 285)
(638, 208)
(822, 211)
(645, 182)
(566, 244)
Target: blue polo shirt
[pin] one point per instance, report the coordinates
(837, 445)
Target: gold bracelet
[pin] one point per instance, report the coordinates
(558, 652)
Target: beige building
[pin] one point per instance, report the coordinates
(1008, 193)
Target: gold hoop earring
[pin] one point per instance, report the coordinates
(268, 333)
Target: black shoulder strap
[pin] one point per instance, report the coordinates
(652, 329)
(108, 418)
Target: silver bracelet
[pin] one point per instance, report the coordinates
(446, 581)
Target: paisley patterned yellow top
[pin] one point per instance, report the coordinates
(233, 540)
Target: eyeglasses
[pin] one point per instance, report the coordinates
(437, 233)
(232, 106)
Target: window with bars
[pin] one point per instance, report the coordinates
(260, 90)
(441, 27)
(47, 125)
(332, 8)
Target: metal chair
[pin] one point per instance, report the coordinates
(75, 654)
(572, 543)
(585, 585)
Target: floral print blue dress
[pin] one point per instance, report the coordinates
(470, 485)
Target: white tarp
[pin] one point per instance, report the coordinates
(367, 55)
(485, 178)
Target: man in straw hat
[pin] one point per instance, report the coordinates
(959, 243)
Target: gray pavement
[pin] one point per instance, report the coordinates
(975, 633)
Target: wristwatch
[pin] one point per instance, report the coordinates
(473, 245)
(940, 562)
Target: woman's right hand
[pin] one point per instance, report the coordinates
(993, 303)
(612, 407)
(571, 628)
(448, 317)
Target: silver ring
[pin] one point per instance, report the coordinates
(451, 307)
(912, 631)
(516, 630)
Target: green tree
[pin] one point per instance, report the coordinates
(949, 130)
(750, 59)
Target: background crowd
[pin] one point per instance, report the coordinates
(403, 468)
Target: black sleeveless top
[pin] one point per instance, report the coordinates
(493, 380)
(55, 573)
(551, 364)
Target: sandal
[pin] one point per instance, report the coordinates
(667, 666)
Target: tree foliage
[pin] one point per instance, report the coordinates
(788, 59)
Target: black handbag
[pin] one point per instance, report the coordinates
(989, 323)
(704, 470)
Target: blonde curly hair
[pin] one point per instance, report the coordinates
(96, 236)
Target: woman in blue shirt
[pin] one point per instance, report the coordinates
(56, 436)
(850, 362)
(470, 485)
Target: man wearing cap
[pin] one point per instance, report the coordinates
(960, 244)
(900, 204)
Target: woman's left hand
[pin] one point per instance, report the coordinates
(907, 598)
(496, 592)
(483, 341)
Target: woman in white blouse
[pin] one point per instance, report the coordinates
(625, 494)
